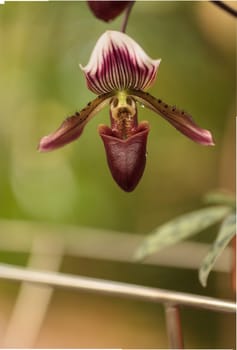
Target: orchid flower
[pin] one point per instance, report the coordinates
(107, 10)
(118, 72)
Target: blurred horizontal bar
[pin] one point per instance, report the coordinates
(17, 236)
(23, 327)
(113, 288)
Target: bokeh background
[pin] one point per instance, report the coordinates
(41, 84)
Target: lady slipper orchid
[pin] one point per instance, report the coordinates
(119, 71)
(107, 10)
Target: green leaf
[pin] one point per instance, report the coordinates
(180, 228)
(226, 233)
(221, 198)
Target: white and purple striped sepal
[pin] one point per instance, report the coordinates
(119, 63)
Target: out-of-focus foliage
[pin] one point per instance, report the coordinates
(190, 224)
(180, 228)
(225, 234)
(220, 198)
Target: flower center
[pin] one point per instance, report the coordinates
(123, 114)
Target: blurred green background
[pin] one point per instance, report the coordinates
(41, 84)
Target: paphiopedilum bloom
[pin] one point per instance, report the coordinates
(107, 10)
(119, 72)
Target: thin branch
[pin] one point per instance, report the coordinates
(126, 17)
(230, 10)
(113, 288)
(174, 326)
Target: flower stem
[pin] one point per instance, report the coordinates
(225, 7)
(126, 17)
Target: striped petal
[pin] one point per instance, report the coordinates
(181, 120)
(71, 129)
(119, 63)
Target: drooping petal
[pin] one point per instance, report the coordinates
(181, 120)
(126, 157)
(107, 10)
(73, 126)
(118, 63)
